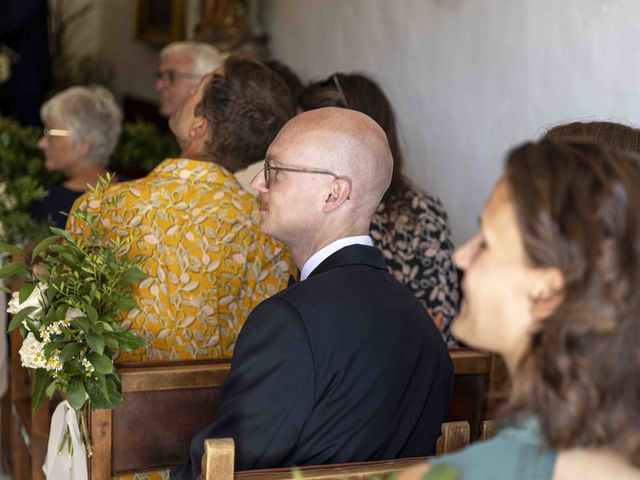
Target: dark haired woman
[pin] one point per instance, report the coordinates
(552, 283)
(615, 135)
(409, 227)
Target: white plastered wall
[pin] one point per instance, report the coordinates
(471, 78)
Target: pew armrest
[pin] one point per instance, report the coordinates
(455, 436)
(218, 459)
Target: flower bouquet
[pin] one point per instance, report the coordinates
(68, 311)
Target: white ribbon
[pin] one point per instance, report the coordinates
(61, 464)
(4, 356)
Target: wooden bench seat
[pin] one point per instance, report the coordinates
(166, 404)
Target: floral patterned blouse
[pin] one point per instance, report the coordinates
(209, 264)
(414, 238)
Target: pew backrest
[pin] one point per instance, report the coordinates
(218, 461)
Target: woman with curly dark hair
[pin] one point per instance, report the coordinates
(552, 283)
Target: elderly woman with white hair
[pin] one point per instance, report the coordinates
(82, 126)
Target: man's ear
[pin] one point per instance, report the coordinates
(339, 193)
(546, 293)
(199, 129)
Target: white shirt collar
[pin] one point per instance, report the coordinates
(322, 254)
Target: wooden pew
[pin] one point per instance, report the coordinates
(184, 398)
(218, 461)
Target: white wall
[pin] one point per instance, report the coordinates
(471, 78)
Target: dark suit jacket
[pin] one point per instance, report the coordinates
(344, 366)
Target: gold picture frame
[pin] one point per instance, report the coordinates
(160, 22)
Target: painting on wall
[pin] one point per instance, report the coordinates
(231, 24)
(160, 22)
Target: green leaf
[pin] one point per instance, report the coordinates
(76, 393)
(19, 317)
(69, 351)
(25, 291)
(129, 341)
(442, 472)
(13, 268)
(91, 313)
(74, 367)
(105, 394)
(61, 233)
(42, 246)
(126, 303)
(51, 293)
(51, 347)
(106, 326)
(69, 259)
(134, 275)
(51, 389)
(110, 341)
(81, 323)
(101, 363)
(61, 311)
(95, 342)
(43, 378)
(33, 326)
(6, 248)
(113, 388)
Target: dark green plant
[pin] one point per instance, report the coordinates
(141, 147)
(23, 179)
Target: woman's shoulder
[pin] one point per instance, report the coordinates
(415, 207)
(515, 452)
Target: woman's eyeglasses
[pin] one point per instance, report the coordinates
(55, 132)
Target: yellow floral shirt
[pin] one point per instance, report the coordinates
(208, 262)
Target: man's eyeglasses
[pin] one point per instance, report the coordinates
(268, 168)
(170, 76)
(55, 132)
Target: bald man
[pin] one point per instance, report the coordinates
(344, 365)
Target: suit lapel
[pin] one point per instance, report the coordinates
(352, 255)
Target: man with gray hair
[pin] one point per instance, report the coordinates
(345, 365)
(182, 66)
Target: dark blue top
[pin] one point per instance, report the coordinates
(515, 453)
(48, 210)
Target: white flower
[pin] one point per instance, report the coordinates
(32, 352)
(53, 364)
(87, 365)
(8, 200)
(36, 299)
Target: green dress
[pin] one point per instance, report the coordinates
(515, 453)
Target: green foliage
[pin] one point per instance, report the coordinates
(20, 155)
(141, 147)
(70, 310)
(23, 179)
(442, 472)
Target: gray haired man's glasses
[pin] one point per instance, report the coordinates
(170, 76)
(268, 168)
